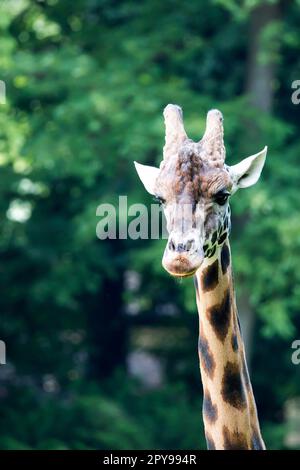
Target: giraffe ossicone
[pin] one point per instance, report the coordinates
(194, 185)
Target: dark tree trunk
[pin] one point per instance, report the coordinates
(108, 326)
(261, 73)
(261, 70)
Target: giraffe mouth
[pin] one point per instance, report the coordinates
(189, 274)
(181, 266)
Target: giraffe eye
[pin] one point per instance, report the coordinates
(159, 200)
(221, 197)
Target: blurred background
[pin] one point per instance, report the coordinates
(101, 341)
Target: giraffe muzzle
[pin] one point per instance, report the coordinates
(182, 256)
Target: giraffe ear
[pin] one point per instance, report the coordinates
(247, 172)
(148, 175)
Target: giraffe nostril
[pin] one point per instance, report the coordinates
(172, 245)
(189, 245)
(180, 247)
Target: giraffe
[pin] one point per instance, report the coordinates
(194, 186)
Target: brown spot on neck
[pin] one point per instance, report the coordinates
(234, 440)
(210, 276)
(225, 258)
(207, 360)
(210, 410)
(219, 316)
(234, 342)
(233, 390)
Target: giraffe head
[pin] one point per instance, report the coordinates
(194, 185)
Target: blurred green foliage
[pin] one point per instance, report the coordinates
(86, 85)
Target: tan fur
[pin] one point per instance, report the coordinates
(235, 425)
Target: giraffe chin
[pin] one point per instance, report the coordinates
(191, 273)
(181, 266)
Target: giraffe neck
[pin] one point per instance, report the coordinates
(229, 410)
